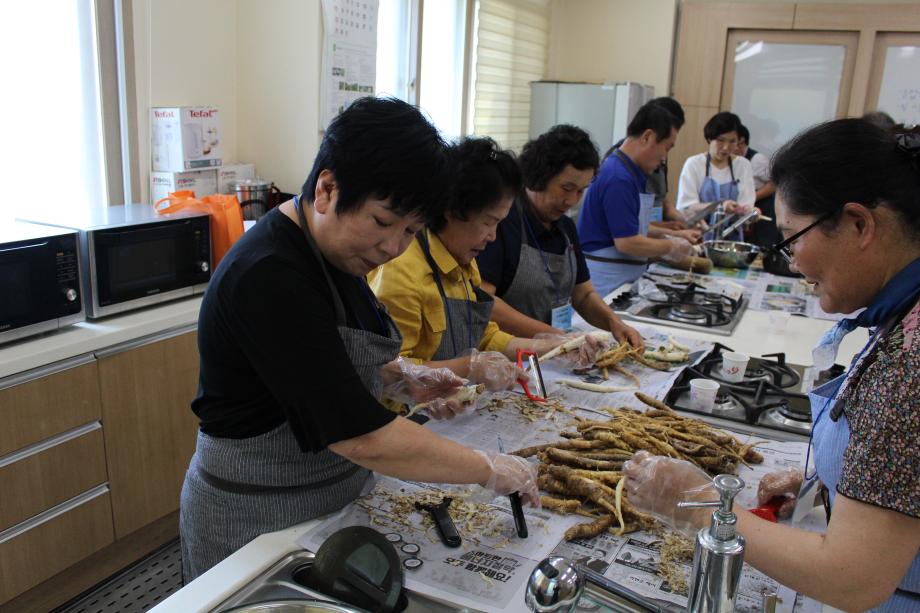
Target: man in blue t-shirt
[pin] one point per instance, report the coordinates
(613, 226)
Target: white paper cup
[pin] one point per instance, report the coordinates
(778, 320)
(703, 394)
(733, 366)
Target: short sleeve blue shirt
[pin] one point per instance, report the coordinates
(611, 206)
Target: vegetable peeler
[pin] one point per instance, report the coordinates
(532, 367)
(441, 515)
(517, 510)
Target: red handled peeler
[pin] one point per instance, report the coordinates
(532, 367)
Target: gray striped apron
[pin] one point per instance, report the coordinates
(542, 281)
(466, 319)
(237, 489)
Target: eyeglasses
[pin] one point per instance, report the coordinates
(784, 248)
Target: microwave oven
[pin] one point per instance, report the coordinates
(39, 280)
(134, 258)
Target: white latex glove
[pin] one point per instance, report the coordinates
(447, 408)
(410, 383)
(656, 484)
(680, 249)
(512, 474)
(494, 370)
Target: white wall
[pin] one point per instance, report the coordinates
(258, 61)
(613, 40)
(279, 56)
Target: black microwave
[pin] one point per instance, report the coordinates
(134, 258)
(39, 280)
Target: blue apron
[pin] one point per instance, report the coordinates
(830, 439)
(610, 268)
(711, 190)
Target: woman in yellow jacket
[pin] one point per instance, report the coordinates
(432, 290)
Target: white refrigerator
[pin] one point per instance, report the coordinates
(602, 110)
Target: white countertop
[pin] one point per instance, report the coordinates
(88, 336)
(752, 336)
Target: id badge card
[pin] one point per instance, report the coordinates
(562, 317)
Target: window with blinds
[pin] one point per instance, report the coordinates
(512, 39)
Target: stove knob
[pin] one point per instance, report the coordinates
(70, 294)
(202, 266)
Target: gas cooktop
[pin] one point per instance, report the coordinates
(688, 306)
(769, 396)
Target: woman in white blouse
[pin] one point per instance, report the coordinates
(717, 174)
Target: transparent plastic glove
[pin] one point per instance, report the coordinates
(494, 370)
(784, 484)
(512, 474)
(680, 249)
(583, 358)
(656, 484)
(410, 383)
(447, 408)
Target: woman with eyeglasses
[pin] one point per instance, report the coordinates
(718, 174)
(848, 203)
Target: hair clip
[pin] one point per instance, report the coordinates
(909, 142)
(492, 155)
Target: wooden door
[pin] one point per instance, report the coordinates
(894, 79)
(149, 427)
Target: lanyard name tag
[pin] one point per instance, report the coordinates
(562, 317)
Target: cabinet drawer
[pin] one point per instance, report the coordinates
(34, 555)
(39, 409)
(52, 475)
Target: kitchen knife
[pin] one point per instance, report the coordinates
(703, 213)
(517, 509)
(727, 231)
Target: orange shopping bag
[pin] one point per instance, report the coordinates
(226, 217)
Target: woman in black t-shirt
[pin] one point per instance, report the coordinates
(295, 350)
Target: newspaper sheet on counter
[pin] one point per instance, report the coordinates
(632, 559)
(765, 291)
(655, 383)
(488, 572)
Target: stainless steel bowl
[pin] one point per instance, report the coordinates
(730, 254)
(295, 605)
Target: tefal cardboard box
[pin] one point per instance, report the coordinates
(202, 182)
(227, 176)
(184, 138)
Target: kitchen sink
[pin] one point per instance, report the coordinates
(284, 580)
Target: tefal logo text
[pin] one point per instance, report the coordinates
(200, 114)
(162, 114)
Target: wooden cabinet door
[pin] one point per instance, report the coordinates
(39, 409)
(51, 476)
(57, 541)
(149, 427)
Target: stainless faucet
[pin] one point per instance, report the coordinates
(556, 585)
(719, 553)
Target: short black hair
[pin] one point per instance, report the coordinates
(744, 134)
(547, 155)
(851, 160)
(655, 117)
(881, 119)
(721, 123)
(383, 148)
(481, 174)
(673, 107)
